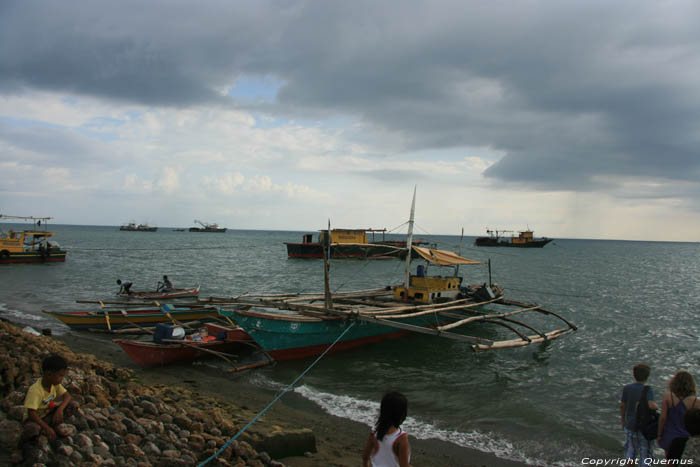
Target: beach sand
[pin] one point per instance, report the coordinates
(339, 441)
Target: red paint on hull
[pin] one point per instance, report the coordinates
(314, 350)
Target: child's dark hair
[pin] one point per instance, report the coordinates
(53, 363)
(692, 421)
(392, 412)
(641, 372)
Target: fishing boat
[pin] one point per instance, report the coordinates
(132, 227)
(162, 294)
(525, 239)
(30, 245)
(110, 318)
(289, 326)
(349, 243)
(206, 227)
(219, 341)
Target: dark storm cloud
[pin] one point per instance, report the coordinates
(569, 91)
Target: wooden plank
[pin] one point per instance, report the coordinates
(482, 317)
(436, 308)
(507, 344)
(424, 330)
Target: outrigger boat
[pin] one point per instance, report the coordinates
(30, 246)
(188, 292)
(525, 239)
(110, 318)
(289, 326)
(349, 243)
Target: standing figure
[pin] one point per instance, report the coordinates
(124, 286)
(680, 398)
(387, 445)
(636, 445)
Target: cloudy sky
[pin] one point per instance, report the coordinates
(579, 119)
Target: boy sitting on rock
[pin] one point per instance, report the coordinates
(47, 402)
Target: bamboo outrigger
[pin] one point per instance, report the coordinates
(435, 305)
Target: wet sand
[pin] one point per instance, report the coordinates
(339, 441)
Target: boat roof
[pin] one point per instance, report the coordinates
(443, 257)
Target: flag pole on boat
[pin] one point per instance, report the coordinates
(409, 241)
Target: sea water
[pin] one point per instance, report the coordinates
(549, 404)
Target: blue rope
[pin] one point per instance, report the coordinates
(282, 393)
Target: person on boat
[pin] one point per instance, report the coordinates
(166, 285)
(124, 286)
(681, 397)
(47, 402)
(387, 445)
(636, 445)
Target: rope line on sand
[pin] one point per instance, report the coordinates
(282, 393)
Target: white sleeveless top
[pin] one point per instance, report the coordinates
(384, 456)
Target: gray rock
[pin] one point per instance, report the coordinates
(150, 449)
(10, 433)
(109, 437)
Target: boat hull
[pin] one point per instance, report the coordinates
(133, 318)
(494, 242)
(152, 354)
(174, 293)
(198, 229)
(53, 256)
(288, 339)
(340, 251)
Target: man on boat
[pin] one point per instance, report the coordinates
(166, 285)
(124, 286)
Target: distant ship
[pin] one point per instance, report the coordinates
(207, 227)
(132, 227)
(350, 243)
(525, 239)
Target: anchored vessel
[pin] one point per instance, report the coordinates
(289, 326)
(525, 239)
(31, 245)
(132, 227)
(349, 243)
(207, 227)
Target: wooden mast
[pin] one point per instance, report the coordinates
(409, 242)
(326, 268)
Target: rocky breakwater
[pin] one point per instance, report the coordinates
(122, 422)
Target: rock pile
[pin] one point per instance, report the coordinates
(124, 423)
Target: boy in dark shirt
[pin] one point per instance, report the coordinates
(636, 445)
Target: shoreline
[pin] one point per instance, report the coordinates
(339, 441)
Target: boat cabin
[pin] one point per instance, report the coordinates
(347, 235)
(524, 237)
(27, 240)
(433, 289)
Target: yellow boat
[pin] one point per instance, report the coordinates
(29, 246)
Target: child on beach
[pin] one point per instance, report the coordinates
(387, 445)
(675, 403)
(47, 402)
(636, 445)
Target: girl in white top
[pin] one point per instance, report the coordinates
(387, 445)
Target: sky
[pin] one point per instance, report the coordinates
(577, 119)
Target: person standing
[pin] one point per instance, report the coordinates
(636, 445)
(387, 445)
(675, 402)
